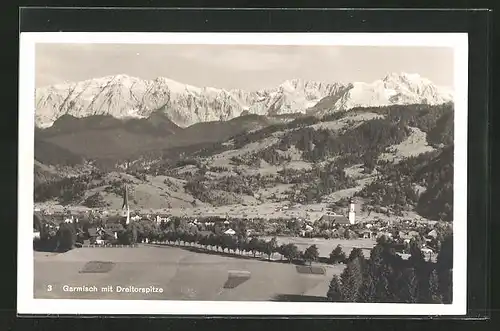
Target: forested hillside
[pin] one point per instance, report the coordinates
(398, 158)
(396, 185)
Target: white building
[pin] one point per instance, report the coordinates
(352, 212)
(230, 232)
(427, 252)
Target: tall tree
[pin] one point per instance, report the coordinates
(352, 279)
(335, 290)
(416, 256)
(355, 253)
(445, 256)
(177, 223)
(408, 286)
(270, 247)
(291, 252)
(337, 255)
(381, 283)
(377, 256)
(281, 250)
(134, 234)
(368, 289)
(435, 296)
(254, 245)
(66, 236)
(446, 286)
(311, 254)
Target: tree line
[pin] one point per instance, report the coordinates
(72, 189)
(395, 186)
(435, 120)
(321, 181)
(386, 277)
(68, 236)
(366, 141)
(240, 244)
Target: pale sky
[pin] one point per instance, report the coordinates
(245, 67)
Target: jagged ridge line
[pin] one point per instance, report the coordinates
(332, 89)
(98, 94)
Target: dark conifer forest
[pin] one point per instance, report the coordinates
(386, 277)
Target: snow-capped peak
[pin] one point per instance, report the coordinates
(401, 76)
(126, 96)
(394, 88)
(404, 78)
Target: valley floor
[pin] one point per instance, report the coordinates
(269, 210)
(181, 274)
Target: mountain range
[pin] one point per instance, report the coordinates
(202, 151)
(125, 97)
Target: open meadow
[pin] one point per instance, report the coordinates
(180, 273)
(325, 246)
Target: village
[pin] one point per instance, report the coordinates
(101, 228)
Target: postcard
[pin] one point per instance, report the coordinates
(243, 174)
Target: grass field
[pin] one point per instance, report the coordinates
(183, 275)
(325, 246)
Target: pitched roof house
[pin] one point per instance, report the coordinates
(335, 219)
(365, 233)
(230, 232)
(93, 232)
(433, 234)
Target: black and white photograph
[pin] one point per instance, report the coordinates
(243, 173)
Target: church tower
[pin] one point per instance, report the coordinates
(352, 211)
(125, 207)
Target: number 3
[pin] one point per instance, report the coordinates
(49, 288)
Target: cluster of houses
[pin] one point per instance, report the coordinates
(50, 224)
(107, 231)
(104, 227)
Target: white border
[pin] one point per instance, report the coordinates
(26, 304)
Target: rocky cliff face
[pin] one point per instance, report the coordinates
(122, 96)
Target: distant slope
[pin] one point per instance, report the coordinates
(437, 201)
(442, 132)
(220, 130)
(105, 137)
(44, 174)
(156, 124)
(397, 185)
(254, 164)
(49, 153)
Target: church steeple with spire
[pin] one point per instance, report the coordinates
(352, 211)
(125, 206)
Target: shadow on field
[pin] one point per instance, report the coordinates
(298, 298)
(44, 249)
(47, 246)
